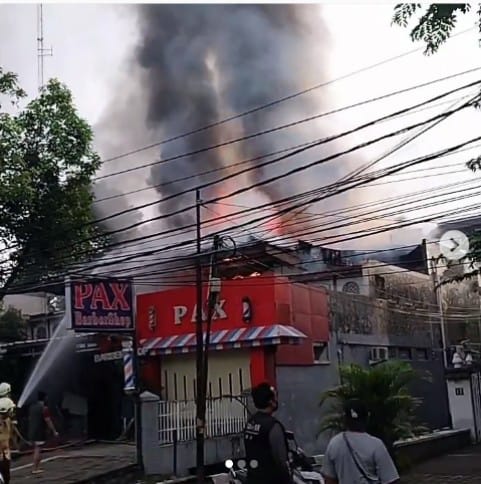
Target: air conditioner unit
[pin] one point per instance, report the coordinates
(378, 354)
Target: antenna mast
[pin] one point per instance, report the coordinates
(41, 51)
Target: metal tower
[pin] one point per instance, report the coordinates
(41, 50)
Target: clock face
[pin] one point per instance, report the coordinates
(351, 288)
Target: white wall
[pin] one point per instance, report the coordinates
(28, 304)
(460, 404)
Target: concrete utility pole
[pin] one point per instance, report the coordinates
(200, 401)
(439, 300)
(203, 342)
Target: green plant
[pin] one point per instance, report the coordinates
(384, 389)
(435, 24)
(47, 164)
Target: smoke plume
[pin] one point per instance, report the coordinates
(202, 63)
(194, 65)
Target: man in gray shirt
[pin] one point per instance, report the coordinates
(355, 457)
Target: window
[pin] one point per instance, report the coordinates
(392, 353)
(321, 352)
(40, 332)
(380, 282)
(351, 288)
(405, 354)
(422, 354)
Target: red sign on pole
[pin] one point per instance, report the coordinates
(101, 305)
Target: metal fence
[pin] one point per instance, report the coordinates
(224, 416)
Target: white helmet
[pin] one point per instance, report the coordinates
(5, 389)
(6, 406)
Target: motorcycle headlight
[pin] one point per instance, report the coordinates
(229, 463)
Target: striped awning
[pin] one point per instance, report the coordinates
(224, 339)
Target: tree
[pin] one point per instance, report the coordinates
(13, 326)
(384, 390)
(435, 24)
(46, 167)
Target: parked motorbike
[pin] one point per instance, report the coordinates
(302, 466)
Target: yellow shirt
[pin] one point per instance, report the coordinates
(5, 436)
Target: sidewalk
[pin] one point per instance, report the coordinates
(463, 467)
(74, 465)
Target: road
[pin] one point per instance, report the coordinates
(457, 467)
(72, 465)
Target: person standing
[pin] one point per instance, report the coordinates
(6, 392)
(356, 457)
(5, 439)
(39, 421)
(265, 441)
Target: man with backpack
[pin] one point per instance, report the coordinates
(356, 457)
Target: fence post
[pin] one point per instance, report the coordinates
(175, 452)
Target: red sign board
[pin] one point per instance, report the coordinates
(101, 305)
(242, 302)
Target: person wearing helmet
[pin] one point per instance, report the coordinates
(5, 438)
(16, 435)
(5, 390)
(39, 421)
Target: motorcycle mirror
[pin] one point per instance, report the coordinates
(229, 464)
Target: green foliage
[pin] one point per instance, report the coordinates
(13, 326)
(435, 26)
(9, 87)
(46, 166)
(384, 390)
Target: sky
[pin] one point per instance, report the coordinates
(92, 44)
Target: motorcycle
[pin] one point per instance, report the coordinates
(302, 466)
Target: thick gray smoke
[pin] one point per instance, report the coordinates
(194, 65)
(202, 63)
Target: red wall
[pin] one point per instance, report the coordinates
(310, 314)
(261, 292)
(274, 301)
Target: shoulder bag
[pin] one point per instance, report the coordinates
(360, 468)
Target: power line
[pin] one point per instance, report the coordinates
(387, 228)
(273, 103)
(269, 180)
(187, 243)
(272, 130)
(290, 172)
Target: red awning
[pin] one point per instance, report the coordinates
(224, 339)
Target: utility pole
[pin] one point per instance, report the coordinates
(200, 398)
(439, 300)
(213, 299)
(203, 342)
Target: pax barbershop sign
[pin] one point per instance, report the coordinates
(102, 305)
(183, 314)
